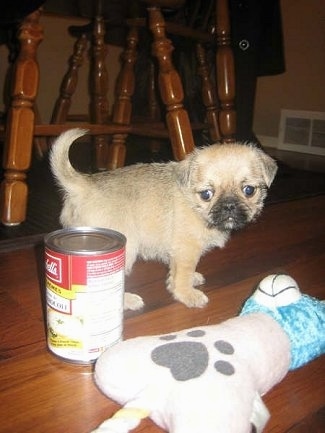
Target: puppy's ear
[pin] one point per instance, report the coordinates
(184, 169)
(269, 167)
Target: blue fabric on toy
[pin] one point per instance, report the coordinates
(303, 319)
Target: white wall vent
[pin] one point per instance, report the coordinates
(302, 131)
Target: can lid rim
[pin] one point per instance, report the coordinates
(85, 240)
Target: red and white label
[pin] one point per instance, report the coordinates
(84, 303)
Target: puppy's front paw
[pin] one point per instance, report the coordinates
(192, 298)
(132, 301)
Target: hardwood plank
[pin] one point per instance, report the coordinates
(312, 423)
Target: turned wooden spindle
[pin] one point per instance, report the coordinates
(124, 90)
(170, 87)
(20, 123)
(99, 105)
(225, 70)
(69, 81)
(153, 105)
(154, 111)
(208, 93)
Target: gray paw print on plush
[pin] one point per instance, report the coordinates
(190, 359)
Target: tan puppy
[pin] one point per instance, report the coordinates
(172, 212)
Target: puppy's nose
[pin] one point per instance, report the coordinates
(229, 206)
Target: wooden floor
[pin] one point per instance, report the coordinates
(42, 394)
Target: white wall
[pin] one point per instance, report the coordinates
(302, 86)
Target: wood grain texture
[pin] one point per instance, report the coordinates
(41, 393)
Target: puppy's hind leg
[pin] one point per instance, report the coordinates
(131, 300)
(182, 279)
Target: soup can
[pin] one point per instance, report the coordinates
(84, 273)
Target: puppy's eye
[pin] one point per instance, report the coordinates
(206, 195)
(249, 190)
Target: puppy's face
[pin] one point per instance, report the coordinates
(227, 184)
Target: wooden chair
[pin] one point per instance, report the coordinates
(21, 127)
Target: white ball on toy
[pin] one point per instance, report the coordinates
(277, 290)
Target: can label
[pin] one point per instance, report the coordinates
(84, 295)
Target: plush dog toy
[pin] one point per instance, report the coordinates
(211, 378)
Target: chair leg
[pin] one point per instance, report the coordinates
(153, 106)
(69, 82)
(122, 109)
(171, 88)
(99, 106)
(208, 94)
(225, 72)
(20, 123)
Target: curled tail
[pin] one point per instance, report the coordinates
(60, 164)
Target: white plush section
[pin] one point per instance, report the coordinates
(211, 402)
